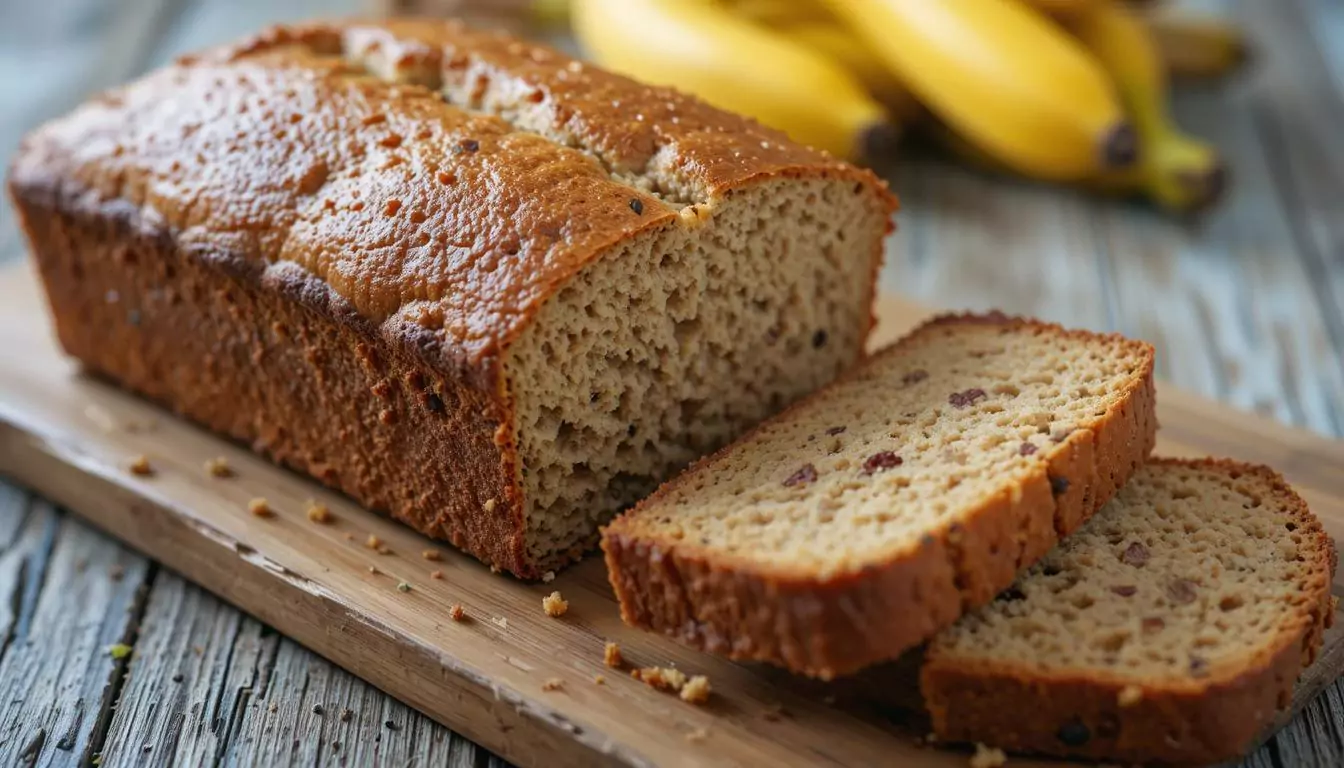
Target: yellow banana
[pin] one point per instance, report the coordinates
(1198, 47)
(778, 12)
(1177, 171)
(1003, 76)
(841, 46)
(698, 47)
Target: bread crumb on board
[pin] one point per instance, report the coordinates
(436, 575)
(554, 605)
(319, 513)
(218, 467)
(548, 577)
(457, 613)
(432, 555)
(553, 684)
(987, 757)
(259, 507)
(600, 680)
(611, 655)
(661, 678)
(698, 735)
(140, 466)
(373, 542)
(696, 690)
(1129, 696)
(403, 586)
(499, 621)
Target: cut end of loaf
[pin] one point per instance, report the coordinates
(1170, 627)
(874, 513)
(673, 344)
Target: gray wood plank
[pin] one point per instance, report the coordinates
(74, 593)
(210, 686)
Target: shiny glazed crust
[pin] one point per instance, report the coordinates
(829, 627)
(1189, 721)
(293, 242)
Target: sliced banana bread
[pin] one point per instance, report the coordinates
(1169, 628)
(866, 518)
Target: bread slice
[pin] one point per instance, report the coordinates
(860, 522)
(1170, 628)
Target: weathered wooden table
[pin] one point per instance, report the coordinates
(1247, 307)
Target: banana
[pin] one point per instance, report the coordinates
(1197, 47)
(778, 12)
(697, 46)
(1177, 171)
(1003, 76)
(837, 43)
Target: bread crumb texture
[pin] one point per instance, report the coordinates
(553, 684)
(319, 513)
(259, 507)
(611, 655)
(661, 678)
(554, 605)
(457, 613)
(987, 757)
(218, 467)
(140, 466)
(696, 690)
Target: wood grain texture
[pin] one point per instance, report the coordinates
(1244, 308)
(72, 438)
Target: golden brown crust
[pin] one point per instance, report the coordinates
(828, 627)
(402, 242)
(1190, 721)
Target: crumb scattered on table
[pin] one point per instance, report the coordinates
(218, 467)
(457, 613)
(500, 622)
(661, 678)
(1130, 695)
(346, 714)
(553, 684)
(987, 757)
(548, 577)
(554, 604)
(140, 466)
(403, 586)
(260, 508)
(272, 707)
(384, 550)
(436, 574)
(373, 542)
(698, 735)
(374, 570)
(696, 690)
(431, 554)
(318, 513)
(600, 680)
(611, 655)
(490, 505)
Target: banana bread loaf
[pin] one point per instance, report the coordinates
(492, 291)
(1170, 628)
(861, 521)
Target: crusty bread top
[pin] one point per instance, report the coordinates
(911, 444)
(1195, 574)
(444, 180)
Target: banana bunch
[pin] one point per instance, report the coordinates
(1070, 91)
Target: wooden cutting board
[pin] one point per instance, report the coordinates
(71, 438)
